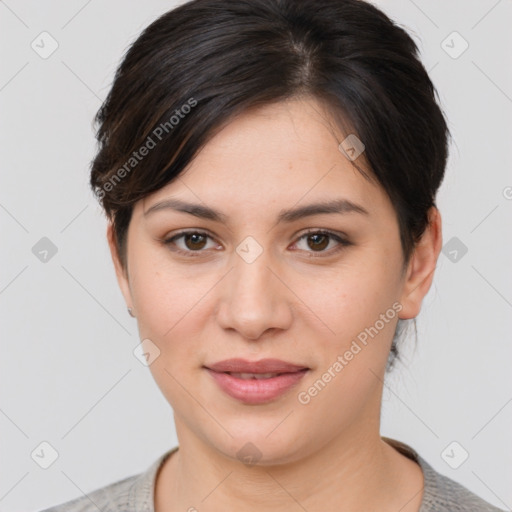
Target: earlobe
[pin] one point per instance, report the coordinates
(121, 272)
(421, 267)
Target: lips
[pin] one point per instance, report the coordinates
(255, 367)
(258, 376)
(256, 382)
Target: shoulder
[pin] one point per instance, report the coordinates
(131, 494)
(442, 494)
(115, 496)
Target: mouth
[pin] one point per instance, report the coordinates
(256, 382)
(257, 376)
(261, 367)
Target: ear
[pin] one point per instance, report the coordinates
(420, 270)
(121, 272)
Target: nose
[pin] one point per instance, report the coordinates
(254, 299)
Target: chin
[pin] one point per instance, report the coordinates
(254, 445)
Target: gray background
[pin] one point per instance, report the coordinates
(68, 374)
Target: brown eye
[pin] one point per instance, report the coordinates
(194, 241)
(189, 243)
(318, 241)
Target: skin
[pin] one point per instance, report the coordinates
(298, 301)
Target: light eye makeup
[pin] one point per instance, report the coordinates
(328, 243)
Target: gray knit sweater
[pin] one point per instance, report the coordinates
(136, 493)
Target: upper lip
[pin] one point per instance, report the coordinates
(239, 365)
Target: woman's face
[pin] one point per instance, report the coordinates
(253, 284)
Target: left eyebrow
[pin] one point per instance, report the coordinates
(339, 206)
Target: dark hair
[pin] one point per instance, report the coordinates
(199, 65)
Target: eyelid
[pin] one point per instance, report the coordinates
(323, 231)
(169, 240)
(339, 237)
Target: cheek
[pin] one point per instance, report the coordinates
(169, 313)
(174, 310)
(349, 298)
(164, 294)
(362, 311)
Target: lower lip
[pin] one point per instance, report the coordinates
(254, 391)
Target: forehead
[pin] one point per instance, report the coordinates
(282, 154)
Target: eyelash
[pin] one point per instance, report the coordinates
(194, 254)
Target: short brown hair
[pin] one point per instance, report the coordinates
(204, 62)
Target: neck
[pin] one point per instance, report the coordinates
(356, 469)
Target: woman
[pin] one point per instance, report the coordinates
(269, 170)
